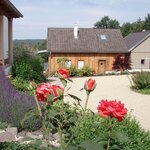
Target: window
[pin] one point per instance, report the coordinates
(103, 37)
(80, 64)
(142, 61)
(68, 63)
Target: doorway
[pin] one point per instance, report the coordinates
(101, 66)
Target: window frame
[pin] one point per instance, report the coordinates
(142, 61)
(68, 63)
(80, 67)
(103, 37)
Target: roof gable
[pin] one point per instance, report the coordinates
(61, 40)
(134, 39)
(9, 10)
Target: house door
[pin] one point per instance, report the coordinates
(101, 66)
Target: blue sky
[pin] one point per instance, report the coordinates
(41, 14)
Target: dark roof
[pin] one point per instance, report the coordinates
(134, 39)
(9, 10)
(61, 40)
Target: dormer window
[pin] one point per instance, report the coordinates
(103, 37)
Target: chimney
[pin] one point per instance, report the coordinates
(75, 31)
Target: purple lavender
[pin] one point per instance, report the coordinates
(13, 104)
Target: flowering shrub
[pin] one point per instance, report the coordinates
(45, 89)
(47, 94)
(13, 104)
(111, 109)
(92, 131)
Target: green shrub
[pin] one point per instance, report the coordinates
(3, 125)
(141, 80)
(17, 146)
(20, 84)
(73, 71)
(92, 126)
(85, 71)
(28, 68)
(31, 120)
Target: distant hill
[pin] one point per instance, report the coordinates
(40, 44)
(29, 41)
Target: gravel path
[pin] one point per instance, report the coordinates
(114, 87)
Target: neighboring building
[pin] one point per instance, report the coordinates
(7, 12)
(95, 48)
(139, 46)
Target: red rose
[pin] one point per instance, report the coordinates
(112, 108)
(63, 73)
(57, 91)
(90, 85)
(45, 88)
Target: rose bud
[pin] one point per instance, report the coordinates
(90, 85)
(63, 73)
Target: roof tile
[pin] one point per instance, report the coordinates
(61, 40)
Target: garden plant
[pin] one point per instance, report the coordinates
(141, 82)
(78, 127)
(110, 114)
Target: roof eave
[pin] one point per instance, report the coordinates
(58, 52)
(15, 12)
(132, 48)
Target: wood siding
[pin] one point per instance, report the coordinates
(91, 60)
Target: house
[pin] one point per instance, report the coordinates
(96, 48)
(7, 12)
(139, 46)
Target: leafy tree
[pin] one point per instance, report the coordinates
(128, 27)
(122, 62)
(147, 22)
(106, 22)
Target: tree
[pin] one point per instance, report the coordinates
(122, 62)
(147, 22)
(128, 27)
(106, 22)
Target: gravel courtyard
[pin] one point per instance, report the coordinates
(114, 87)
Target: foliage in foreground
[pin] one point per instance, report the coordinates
(13, 104)
(141, 80)
(3, 125)
(17, 146)
(87, 131)
(92, 127)
(20, 84)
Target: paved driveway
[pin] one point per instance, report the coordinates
(115, 87)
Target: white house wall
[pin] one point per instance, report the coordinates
(142, 51)
(1, 37)
(6, 44)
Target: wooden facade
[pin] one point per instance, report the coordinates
(95, 48)
(99, 63)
